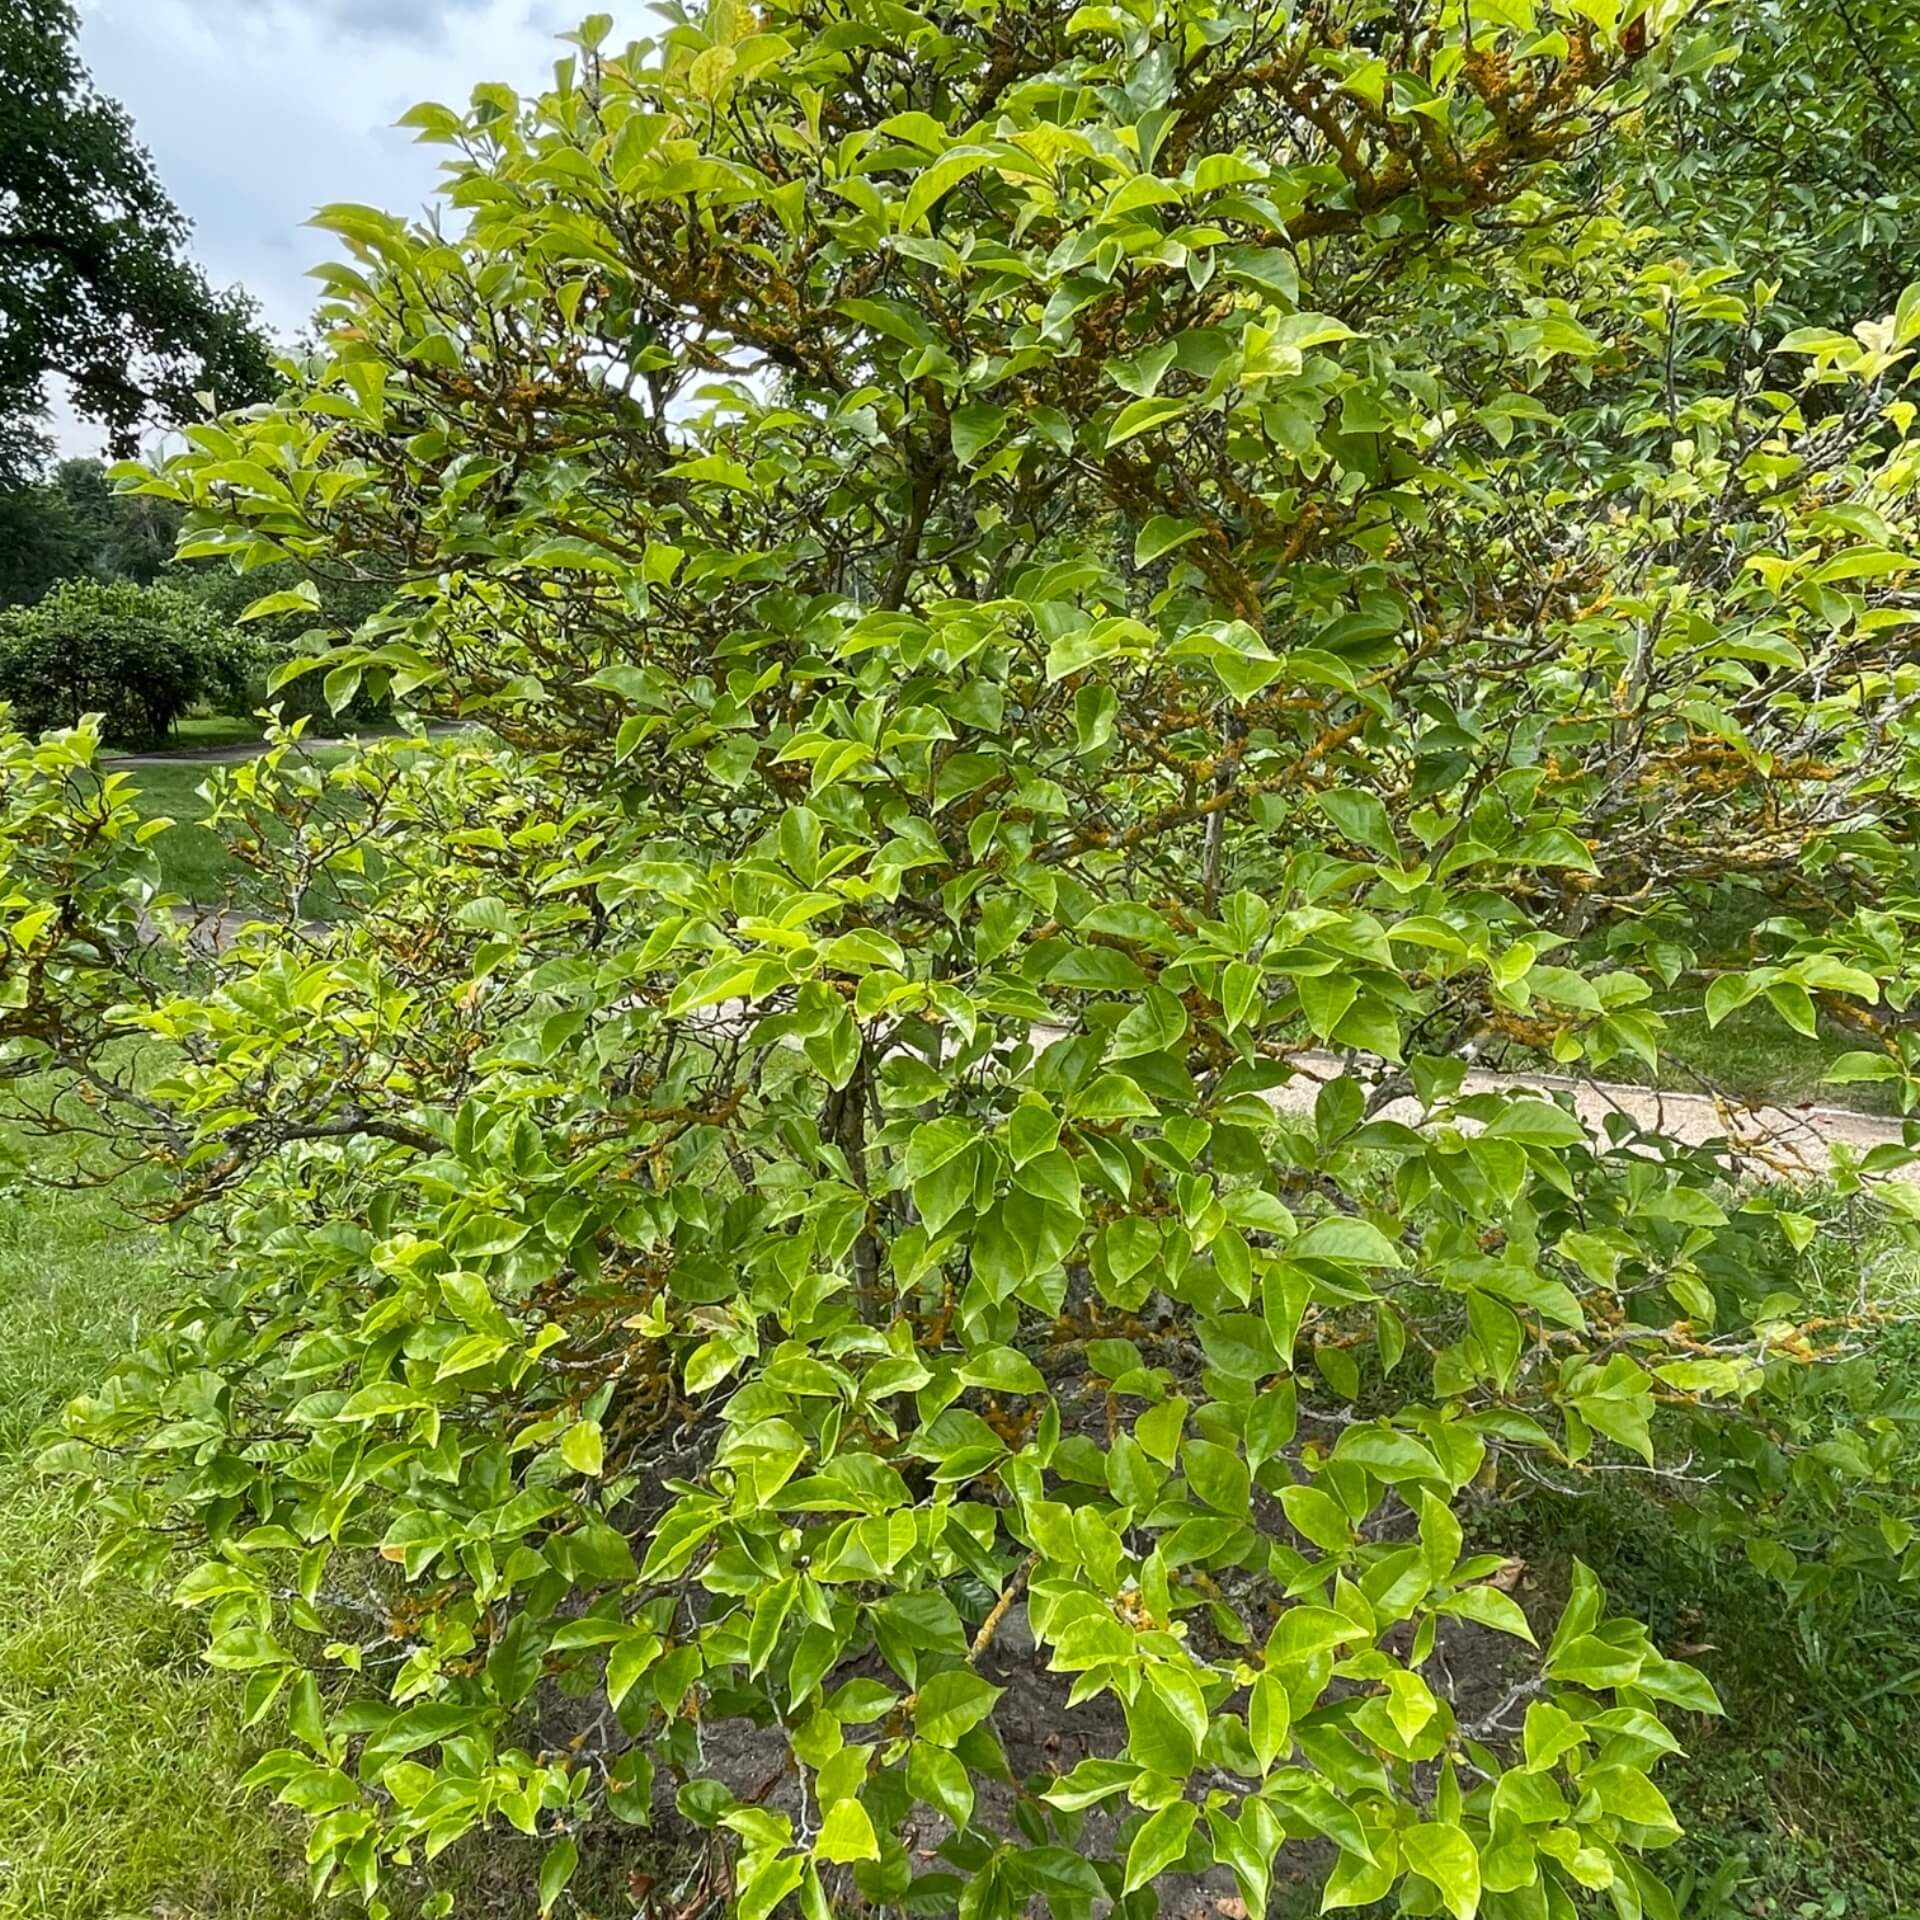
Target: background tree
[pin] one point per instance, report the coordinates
(1785, 140)
(77, 527)
(42, 542)
(338, 600)
(95, 285)
(74, 524)
(125, 538)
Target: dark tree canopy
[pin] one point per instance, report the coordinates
(1795, 140)
(74, 525)
(95, 283)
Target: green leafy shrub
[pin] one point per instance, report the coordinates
(869, 1240)
(140, 656)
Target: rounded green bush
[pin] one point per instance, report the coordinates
(141, 657)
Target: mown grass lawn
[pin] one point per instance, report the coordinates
(119, 1750)
(193, 858)
(199, 732)
(1753, 1054)
(1804, 1802)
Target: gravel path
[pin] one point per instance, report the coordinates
(1782, 1142)
(189, 756)
(230, 756)
(1770, 1142)
(1786, 1142)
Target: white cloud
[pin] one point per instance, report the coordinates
(399, 19)
(258, 111)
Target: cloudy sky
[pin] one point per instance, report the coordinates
(258, 111)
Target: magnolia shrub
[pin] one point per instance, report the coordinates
(1060, 616)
